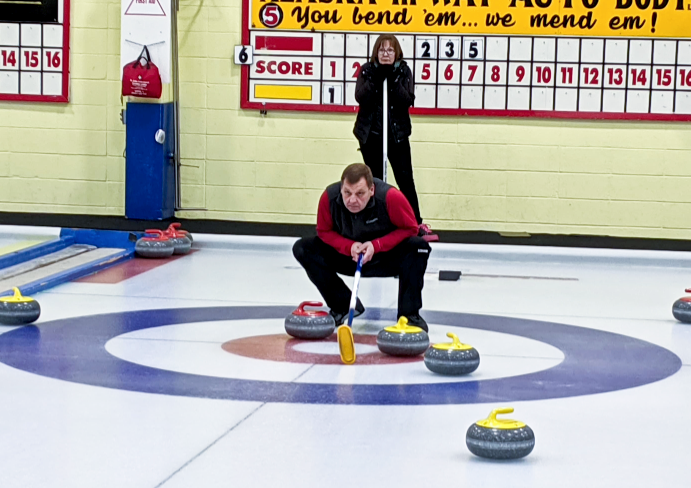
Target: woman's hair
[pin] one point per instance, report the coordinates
(392, 41)
(355, 172)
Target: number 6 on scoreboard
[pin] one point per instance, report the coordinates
(243, 55)
(449, 72)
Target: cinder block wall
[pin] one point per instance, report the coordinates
(499, 174)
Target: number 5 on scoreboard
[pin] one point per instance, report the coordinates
(474, 48)
(425, 71)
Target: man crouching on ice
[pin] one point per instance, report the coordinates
(362, 214)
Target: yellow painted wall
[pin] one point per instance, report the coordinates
(498, 174)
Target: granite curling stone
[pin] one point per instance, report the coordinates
(176, 227)
(452, 358)
(402, 339)
(18, 310)
(158, 246)
(682, 309)
(495, 438)
(310, 324)
(181, 243)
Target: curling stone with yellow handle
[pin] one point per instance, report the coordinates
(495, 438)
(402, 339)
(452, 358)
(310, 324)
(18, 310)
(682, 309)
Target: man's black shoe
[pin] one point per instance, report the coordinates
(341, 318)
(417, 321)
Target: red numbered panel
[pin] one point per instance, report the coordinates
(449, 72)
(9, 58)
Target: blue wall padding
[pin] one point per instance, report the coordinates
(150, 166)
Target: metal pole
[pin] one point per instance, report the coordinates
(385, 124)
(176, 101)
(175, 7)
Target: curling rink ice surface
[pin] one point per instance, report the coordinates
(182, 376)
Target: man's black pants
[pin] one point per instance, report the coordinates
(408, 261)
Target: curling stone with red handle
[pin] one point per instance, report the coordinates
(310, 324)
(682, 309)
(155, 246)
(176, 227)
(181, 243)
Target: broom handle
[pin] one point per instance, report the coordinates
(385, 124)
(356, 285)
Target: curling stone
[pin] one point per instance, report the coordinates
(181, 243)
(682, 309)
(158, 246)
(495, 438)
(176, 227)
(402, 339)
(18, 310)
(452, 358)
(310, 324)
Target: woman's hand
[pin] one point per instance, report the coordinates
(367, 73)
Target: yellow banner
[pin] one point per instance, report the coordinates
(598, 18)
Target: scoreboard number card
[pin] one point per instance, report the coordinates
(243, 55)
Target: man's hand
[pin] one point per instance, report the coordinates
(368, 249)
(355, 250)
(358, 248)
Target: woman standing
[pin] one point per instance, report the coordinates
(387, 63)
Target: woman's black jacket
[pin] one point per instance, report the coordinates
(368, 93)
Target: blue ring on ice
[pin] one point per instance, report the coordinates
(595, 361)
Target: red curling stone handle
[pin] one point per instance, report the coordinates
(310, 313)
(158, 235)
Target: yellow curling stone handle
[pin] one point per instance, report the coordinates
(456, 345)
(402, 327)
(492, 422)
(17, 298)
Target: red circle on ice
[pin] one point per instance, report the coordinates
(282, 347)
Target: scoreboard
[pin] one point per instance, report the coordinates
(473, 69)
(34, 50)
